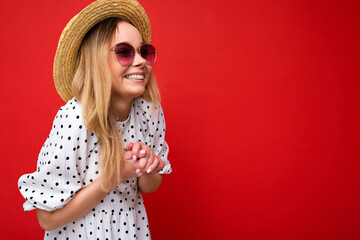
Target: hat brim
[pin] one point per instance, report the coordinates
(75, 31)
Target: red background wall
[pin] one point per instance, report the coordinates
(262, 109)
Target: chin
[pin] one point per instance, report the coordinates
(136, 92)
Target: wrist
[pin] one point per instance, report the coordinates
(149, 183)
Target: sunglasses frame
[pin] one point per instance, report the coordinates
(136, 51)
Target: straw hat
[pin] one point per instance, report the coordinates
(74, 32)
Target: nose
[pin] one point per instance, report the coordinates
(138, 60)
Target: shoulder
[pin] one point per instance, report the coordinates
(69, 121)
(71, 111)
(147, 109)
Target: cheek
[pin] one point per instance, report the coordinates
(149, 70)
(113, 71)
(116, 69)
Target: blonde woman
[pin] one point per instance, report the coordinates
(107, 143)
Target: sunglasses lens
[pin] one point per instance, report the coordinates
(148, 53)
(125, 53)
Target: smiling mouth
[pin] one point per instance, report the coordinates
(135, 76)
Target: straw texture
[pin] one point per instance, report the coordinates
(74, 32)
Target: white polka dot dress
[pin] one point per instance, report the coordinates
(69, 161)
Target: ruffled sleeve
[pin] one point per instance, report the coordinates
(154, 120)
(160, 147)
(61, 162)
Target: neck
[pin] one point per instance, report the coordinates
(120, 109)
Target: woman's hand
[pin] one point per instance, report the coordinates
(142, 162)
(146, 161)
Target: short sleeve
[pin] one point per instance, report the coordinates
(60, 163)
(151, 122)
(159, 145)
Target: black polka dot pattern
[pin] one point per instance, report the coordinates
(146, 124)
(69, 161)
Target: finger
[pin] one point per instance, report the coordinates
(141, 164)
(144, 146)
(138, 172)
(135, 150)
(129, 146)
(149, 163)
(161, 164)
(142, 153)
(153, 165)
(128, 155)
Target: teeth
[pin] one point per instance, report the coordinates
(139, 77)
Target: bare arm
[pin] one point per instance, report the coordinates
(87, 198)
(82, 203)
(150, 183)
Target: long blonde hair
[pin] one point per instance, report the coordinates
(92, 87)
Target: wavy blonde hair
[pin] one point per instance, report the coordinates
(92, 87)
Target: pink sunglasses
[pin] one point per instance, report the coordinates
(126, 53)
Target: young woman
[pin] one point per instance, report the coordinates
(107, 142)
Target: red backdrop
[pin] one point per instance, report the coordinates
(262, 109)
